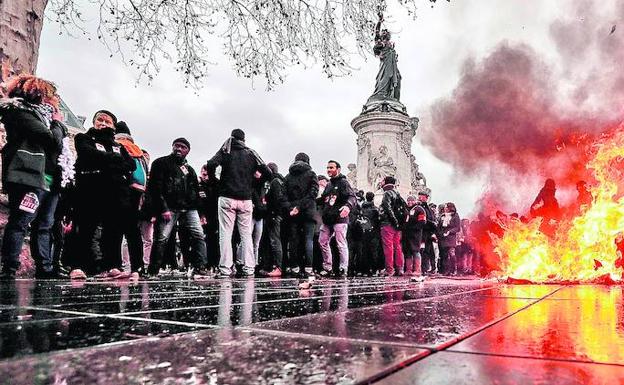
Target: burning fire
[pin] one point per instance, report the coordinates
(583, 249)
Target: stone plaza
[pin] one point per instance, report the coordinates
(264, 331)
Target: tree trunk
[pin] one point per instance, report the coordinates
(20, 32)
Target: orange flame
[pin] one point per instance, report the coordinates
(583, 249)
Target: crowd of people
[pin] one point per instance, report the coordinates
(238, 217)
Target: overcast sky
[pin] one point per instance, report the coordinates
(308, 112)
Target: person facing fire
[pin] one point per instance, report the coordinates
(546, 207)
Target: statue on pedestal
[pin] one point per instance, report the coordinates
(387, 94)
(419, 182)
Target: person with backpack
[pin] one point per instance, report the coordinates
(412, 235)
(208, 203)
(367, 225)
(30, 170)
(338, 200)
(129, 220)
(393, 215)
(277, 204)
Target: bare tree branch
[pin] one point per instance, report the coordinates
(261, 37)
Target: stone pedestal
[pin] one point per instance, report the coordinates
(384, 148)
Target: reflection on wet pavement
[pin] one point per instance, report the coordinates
(267, 331)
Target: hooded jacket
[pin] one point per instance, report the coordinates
(277, 202)
(301, 190)
(33, 145)
(337, 193)
(450, 224)
(391, 199)
(238, 166)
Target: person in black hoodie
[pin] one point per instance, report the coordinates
(369, 227)
(103, 170)
(240, 166)
(301, 189)
(338, 200)
(174, 193)
(428, 262)
(412, 235)
(208, 200)
(276, 207)
(30, 170)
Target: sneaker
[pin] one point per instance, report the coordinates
(102, 275)
(418, 278)
(77, 274)
(220, 275)
(134, 276)
(122, 275)
(277, 272)
(201, 272)
(387, 273)
(7, 275)
(114, 273)
(341, 274)
(324, 273)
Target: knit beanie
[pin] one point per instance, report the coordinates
(302, 157)
(122, 128)
(389, 180)
(239, 134)
(183, 141)
(106, 112)
(273, 167)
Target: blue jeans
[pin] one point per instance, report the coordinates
(187, 220)
(42, 220)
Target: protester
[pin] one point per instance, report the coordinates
(129, 219)
(412, 235)
(584, 198)
(208, 203)
(30, 170)
(174, 191)
(368, 226)
(338, 200)
(277, 205)
(546, 207)
(103, 172)
(240, 165)
(448, 227)
(259, 213)
(393, 214)
(301, 187)
(428, 262)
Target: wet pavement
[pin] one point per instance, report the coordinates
(262, 331)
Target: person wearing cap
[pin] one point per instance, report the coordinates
(173, 190)
(391, 222)
(103, 170)
(338, 200)
(240, 167)
(301, 188)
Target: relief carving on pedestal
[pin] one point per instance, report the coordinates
(352, 175)
(419, 182)
(380, 165)
(363, 143)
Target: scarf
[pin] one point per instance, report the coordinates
(134, 150)
(226, 148)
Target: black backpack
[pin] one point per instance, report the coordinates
(363, 224)
(399, 208)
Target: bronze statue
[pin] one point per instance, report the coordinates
(388, 85)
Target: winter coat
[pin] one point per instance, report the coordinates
(301, 189)
(258, 199)
(172, 185)
(391, 199)
(415, 223)
(449, 224)
(337, 193)
(208, 200)
(103, 169)
(33, 145)
(277, 202)
(370, 211)
(237, 170)
(431, 226)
